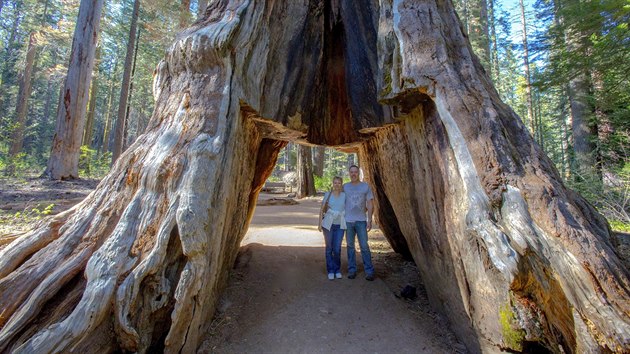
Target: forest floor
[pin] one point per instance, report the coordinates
(278, 298)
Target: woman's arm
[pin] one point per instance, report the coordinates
(321, 214)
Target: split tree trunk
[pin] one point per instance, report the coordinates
(66, 146)
(505, 250)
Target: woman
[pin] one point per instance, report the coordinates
(332, 221)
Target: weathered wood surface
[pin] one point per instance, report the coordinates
(460, 185)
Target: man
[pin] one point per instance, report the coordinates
(358, 200)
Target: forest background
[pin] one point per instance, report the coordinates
(562, 65)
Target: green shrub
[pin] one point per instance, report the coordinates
(20, 165)
(92, 164)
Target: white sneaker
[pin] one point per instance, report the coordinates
(338, 276)
(331, 276)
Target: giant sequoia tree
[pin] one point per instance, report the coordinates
(506, 251)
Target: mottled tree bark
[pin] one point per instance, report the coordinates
(505, 250)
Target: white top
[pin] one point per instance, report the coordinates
(336, 211)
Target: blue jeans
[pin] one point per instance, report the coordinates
(360, 229)
(333, 238)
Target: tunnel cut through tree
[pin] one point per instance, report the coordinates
(505, 250)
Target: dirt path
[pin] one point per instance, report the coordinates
(279, 300)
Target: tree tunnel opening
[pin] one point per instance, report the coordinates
(408, 164)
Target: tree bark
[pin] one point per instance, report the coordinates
(184, 13)
(306, 182)
(505, 250)
(528, 82)
(66, 146)
(17, 136)
(121, 121)
(494, 51)
(318, 160)
(201, 8)
(126, 139)
(108, 114)
(9, 57)
(89, 126)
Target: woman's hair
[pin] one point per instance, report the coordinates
(338, 178)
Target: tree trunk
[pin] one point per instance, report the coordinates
(508, 253)
(126, 140)
(9, 58)
(494, 51)
(318, 160)
(66, 146)
(45, 117)
(306, 182)
(17, 136)
(89, 126)
(201, 8)
(184, 13)
(108, 114)
(121, 121)
(528, 81)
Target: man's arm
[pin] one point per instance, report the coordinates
(370, 210)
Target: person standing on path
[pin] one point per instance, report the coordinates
(333, 223)
(358, 201)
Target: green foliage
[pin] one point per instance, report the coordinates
(324, 183)
(619, 226)
(513, 336)
(33, 214)
(21, 165)
(92, 164)
(611, 196)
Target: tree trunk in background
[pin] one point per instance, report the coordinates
(584, 130)
(528, 81)
(17, 136)
(318, 160)
(306, 182)
(512, 257)
(482, 33)
(287, 156)
(585, 165)
(66, 146)
(89, 126)
(9, 59)
(201, 8)
(127, 141)
(494, 52)
(107, 126)
(119, 133)
(184, 13)
(43, 132)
